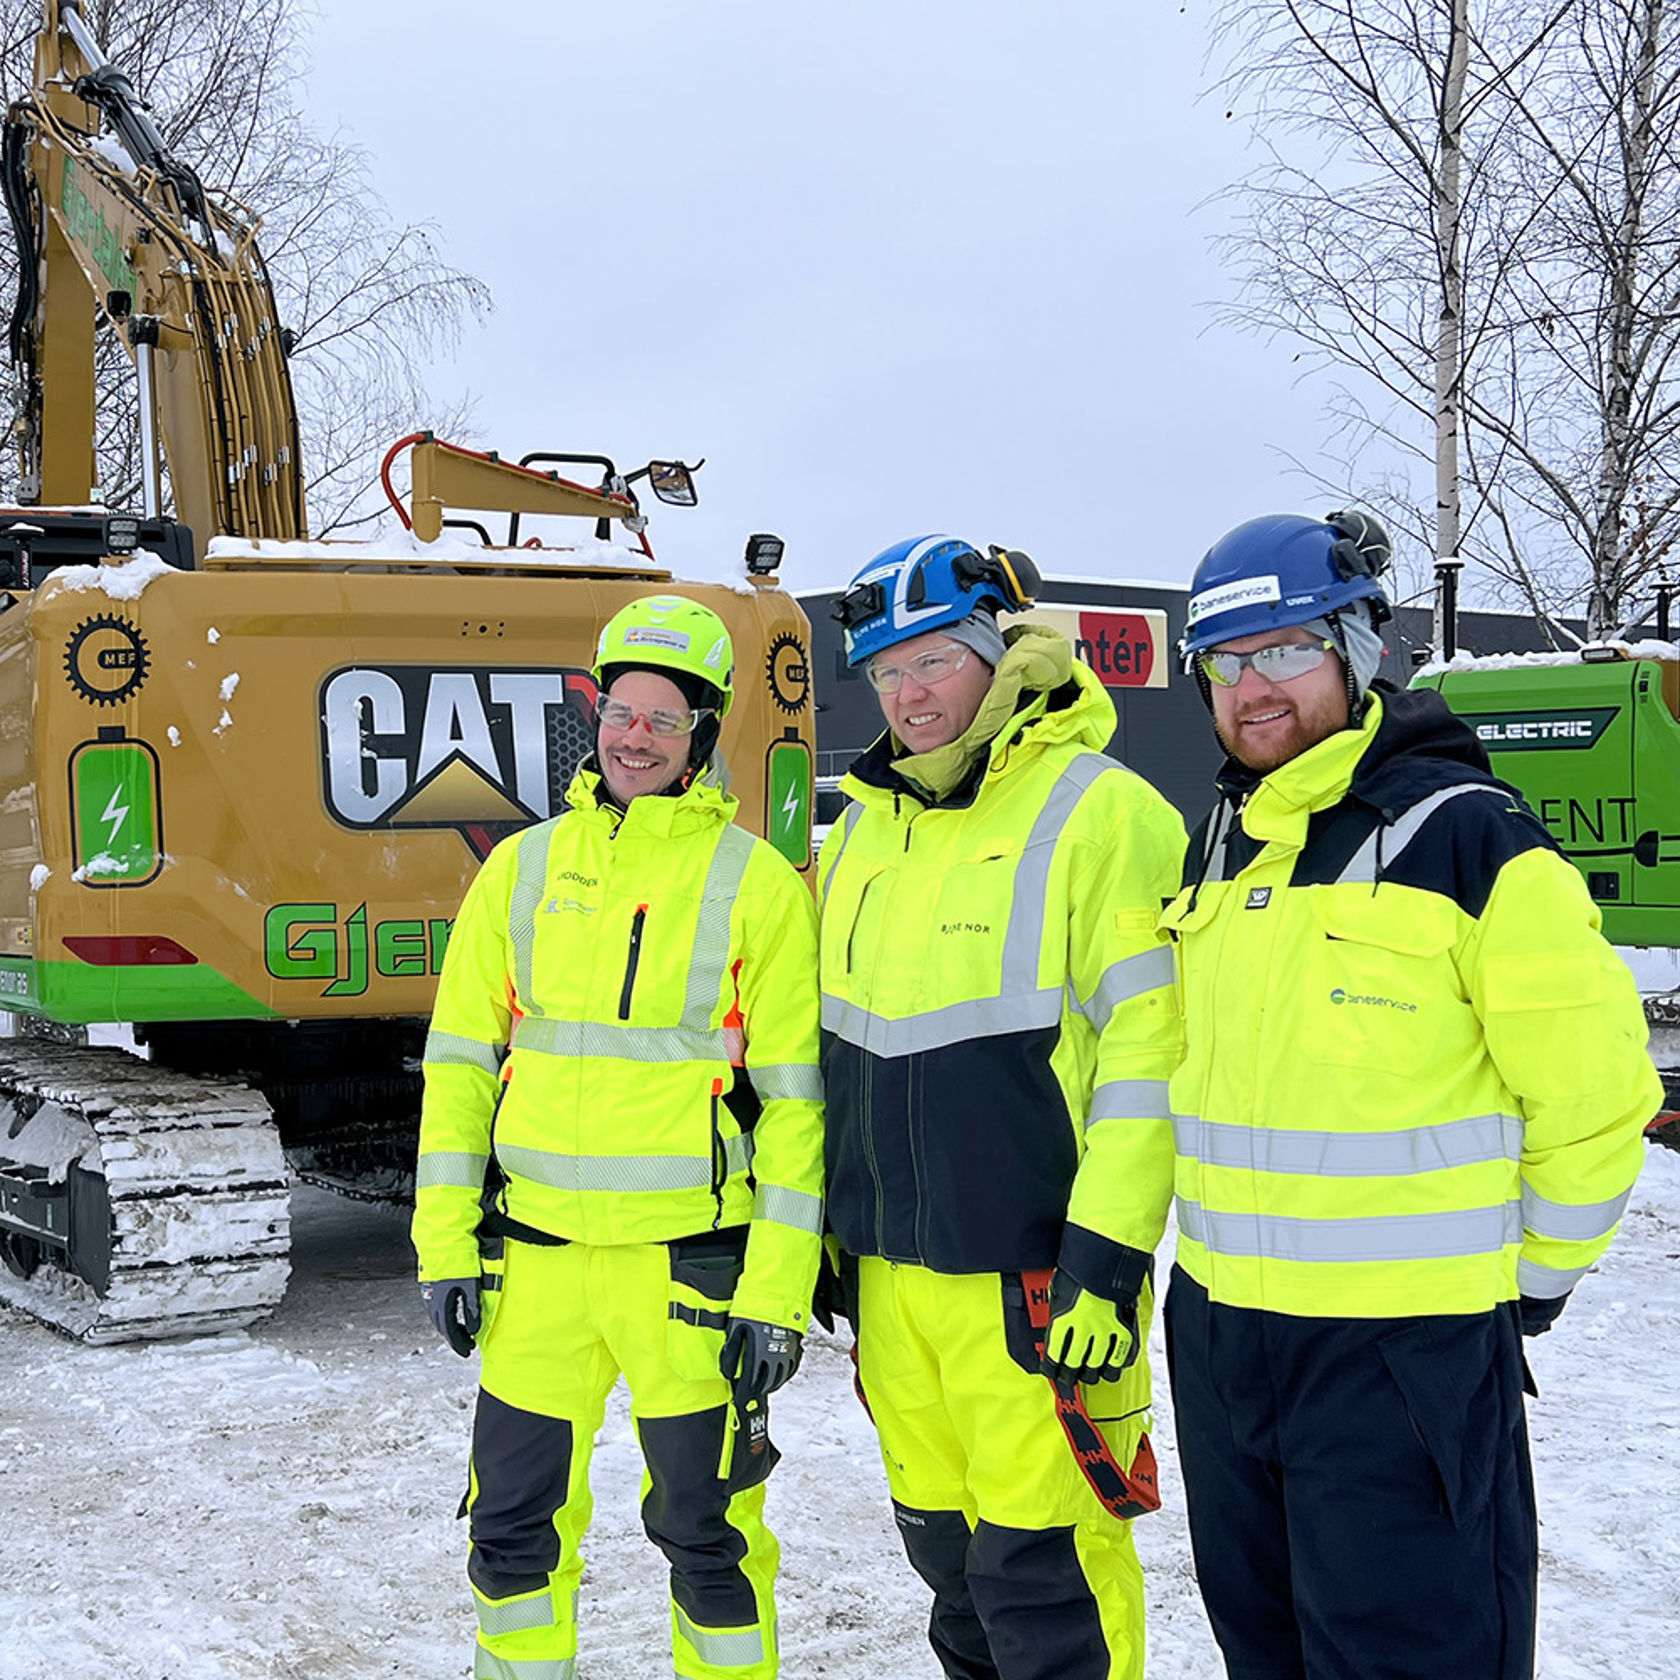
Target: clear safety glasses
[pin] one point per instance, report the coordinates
(928, 668)
(616, 715)
(1283, 662)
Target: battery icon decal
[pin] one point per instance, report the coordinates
(787, 814)
(116, 811)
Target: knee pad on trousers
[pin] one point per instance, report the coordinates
(522, 1468)
(685, 1515)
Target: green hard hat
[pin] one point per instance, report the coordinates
(672, 634)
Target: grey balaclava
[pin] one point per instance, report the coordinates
(1357, 641)
(980, 632)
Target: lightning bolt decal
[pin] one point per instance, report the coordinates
(790, 806)
(114, 814)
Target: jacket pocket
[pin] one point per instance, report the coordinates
(705, 1272)
(1380, 986)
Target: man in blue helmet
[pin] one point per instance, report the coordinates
(998, 1028)
(1407, 1121)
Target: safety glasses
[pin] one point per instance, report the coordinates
(1283, 662)
(614, 714)
(927, 669)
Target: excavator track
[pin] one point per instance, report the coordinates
(136, 1202)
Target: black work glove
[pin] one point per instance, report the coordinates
(758, 1357)
(834, 1295)
(452, 1306)
(1538, 1313)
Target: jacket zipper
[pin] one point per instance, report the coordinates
(636, 923)
(720, 1161)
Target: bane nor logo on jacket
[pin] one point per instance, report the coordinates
(965, 927)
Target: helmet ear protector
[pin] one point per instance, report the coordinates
(1362, 547)
(1010, 571)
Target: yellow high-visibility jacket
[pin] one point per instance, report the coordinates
(1416, 1074)
(998, 1012)
(627, 1021)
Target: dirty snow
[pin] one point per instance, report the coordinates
(279, 1504)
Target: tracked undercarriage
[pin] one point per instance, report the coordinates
(136, 1202)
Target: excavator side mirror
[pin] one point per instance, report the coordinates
(673, 483)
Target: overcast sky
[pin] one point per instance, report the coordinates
(889, 267)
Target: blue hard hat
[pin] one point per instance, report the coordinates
(927, 583)
(1284, 569)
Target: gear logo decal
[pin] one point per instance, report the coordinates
(789, 670)
(106, 659)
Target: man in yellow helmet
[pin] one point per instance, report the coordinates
(620, 1164)
(998, 1029)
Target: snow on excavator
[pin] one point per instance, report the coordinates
(245, 777)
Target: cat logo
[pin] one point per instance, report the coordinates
(479, 750)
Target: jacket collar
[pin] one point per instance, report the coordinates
(702, 804)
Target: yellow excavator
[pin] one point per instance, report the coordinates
(245, 777)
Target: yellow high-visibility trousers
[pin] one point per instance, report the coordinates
(1031, 1576)
(565, 1323)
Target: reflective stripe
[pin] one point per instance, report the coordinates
(710, 960)
(795, 1081)
(1414, 1149)
(1546, 1283)
(722, 1650)
(1129, 978)
(513, 1615)
(848, 821)
(451, 1050)
(627, 1174)
(530, 875)
(1028, 895)
(452, 1167)
(956, 1023)
(631, 1044)
(1130, 1099)
(1407, 1236)
(1571, 1221)
(488, 1666)
(789, 1207)
(1394, 839)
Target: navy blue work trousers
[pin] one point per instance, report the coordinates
(1360, 1495)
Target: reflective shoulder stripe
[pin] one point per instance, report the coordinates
(793, 1080)
(710, 959)
(1390, 1154)
(789, 1207)
(848, 821)
(1546, 1283)
(530, 874)
(1130, 1099)
(1131, 977)
(454, 1168)
(935, 1029)
(1395, 838)
(549, 1037)
(1023, 939)
(451, 1050)
(1394, 1237)
(1571, 1222)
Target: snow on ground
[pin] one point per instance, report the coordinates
(280, 1503)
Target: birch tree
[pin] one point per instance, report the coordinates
(371, 300)
(1469, 214)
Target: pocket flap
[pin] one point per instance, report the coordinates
(1398, 919)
